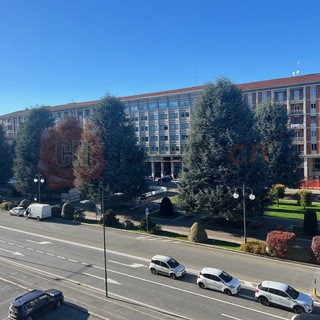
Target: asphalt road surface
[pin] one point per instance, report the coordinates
(70, 257)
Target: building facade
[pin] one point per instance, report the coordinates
(162, 119)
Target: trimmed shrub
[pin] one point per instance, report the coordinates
(277, 192)
(56, 211)
(67, 211)
(280, 243)
(310, 223)
(257, 247)
(128, 225)
(166, 207)
(110, 219)
(315, 248)
(24, 203)
(198, 233)
(7, 205)
(152, 227)
(304, 198)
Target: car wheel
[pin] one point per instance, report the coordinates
(201, 285)
(153, 271)
(297, 309)
(173, 276)
(227, 292)
(264, 301)
(57, 304)
(38, 218)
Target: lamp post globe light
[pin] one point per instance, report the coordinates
(39, 178)
(236, 195)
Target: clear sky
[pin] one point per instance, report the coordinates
(60, 51)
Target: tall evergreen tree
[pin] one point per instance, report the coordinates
(27, 150)
(5, 159)
(110, 158)
(283, 159)
(221, 154)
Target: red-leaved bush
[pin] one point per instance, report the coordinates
(315, 247)
(280, 243)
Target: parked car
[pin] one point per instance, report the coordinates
(277, 293)
(219, 280)
(148, 178)
(166, 265)
(33, 303)
(17, 211)
(165, 179)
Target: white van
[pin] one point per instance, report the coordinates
(38, 211)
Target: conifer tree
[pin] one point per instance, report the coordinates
(222, 153)
(27, 150)
(110, 158)
(283, 158)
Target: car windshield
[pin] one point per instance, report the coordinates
(225, 276)
(173, 263)
(294, 294)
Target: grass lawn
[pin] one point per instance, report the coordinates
(289, 209)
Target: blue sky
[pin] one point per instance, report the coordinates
(59, 51)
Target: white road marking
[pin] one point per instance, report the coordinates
(14, 253)
(37, 242)
(97, 277)
(133, 265)
(231, 317)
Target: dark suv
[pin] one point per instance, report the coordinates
(33, 303)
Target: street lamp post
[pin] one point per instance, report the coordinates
(104, 245)
(104, 241)
(251, 197)
(39, 178)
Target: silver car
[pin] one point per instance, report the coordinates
(219, 280)
(272, 292)
(167, 266)
(17, 211)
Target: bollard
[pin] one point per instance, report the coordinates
(314, 291)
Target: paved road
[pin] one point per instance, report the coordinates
(70, 256)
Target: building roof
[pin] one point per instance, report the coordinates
(250, 86)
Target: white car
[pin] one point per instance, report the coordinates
(17, 211)
(219, 280)
(272, 292)
(167, 266)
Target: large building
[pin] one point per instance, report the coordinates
(161, 119)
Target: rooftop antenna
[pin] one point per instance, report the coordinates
(195, 77)
(295, 73)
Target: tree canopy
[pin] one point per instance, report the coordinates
(109, 158)
(283, 158)
(27, 149)
(221, 154)
(5, 159)
(57, 153)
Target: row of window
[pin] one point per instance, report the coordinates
(159, 103)
(175, 137)
(162, 149)
(162, 116)
(281, 96)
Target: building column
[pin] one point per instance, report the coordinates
(172, 169)
(153, 174)
(162, 167)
